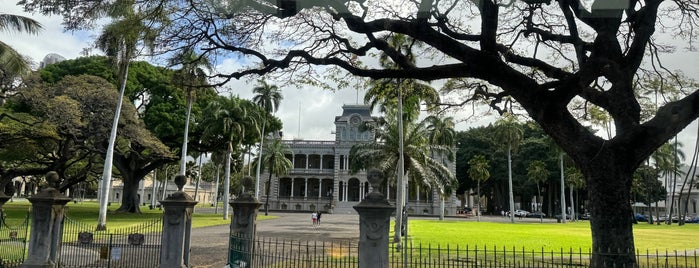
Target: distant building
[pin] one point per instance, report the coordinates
(320, 178)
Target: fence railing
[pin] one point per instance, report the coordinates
(13, 241)
(280, 253)
(136, 246)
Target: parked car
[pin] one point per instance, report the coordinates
(641, 218)
(521, 213)
(585, 216)
(695, 220)
(536, 214)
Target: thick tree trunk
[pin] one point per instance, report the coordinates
(611, 221)
(129, 199)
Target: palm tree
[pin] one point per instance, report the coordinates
(441, 132)
(538, 173)
(274, 160)
(191, 75)
(575, 180)
(268, 97)
(478, 171)
(225, 125)
(384, 155)
(397, 91)
(509, 132)
(668, 161)
(11, 62)
(119, 40)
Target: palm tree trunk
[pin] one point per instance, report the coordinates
(563, 190)
(478, 199)
(257, 169)
(572, 205)
(400, 186)
(538, 199)
(227, 181)
(674, 184)
(269, 182)
(196, 187)
(509, 183)
(218, 169)
(109, 158)
(183, 160)
(153, 188)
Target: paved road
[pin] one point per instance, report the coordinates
(209, 244)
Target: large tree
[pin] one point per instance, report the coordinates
(146, 85)
(544, 55)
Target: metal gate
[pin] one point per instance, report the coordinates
(13, 241)
(137, 246)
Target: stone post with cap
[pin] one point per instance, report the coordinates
(48, 208)
(177, 227)
(3, 199)
(243, 226)
(374, 221)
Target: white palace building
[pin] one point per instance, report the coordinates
(320, 178)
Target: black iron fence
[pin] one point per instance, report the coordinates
(136, 246)
(279, 253)
(13, 241)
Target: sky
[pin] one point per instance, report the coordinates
(307, 113)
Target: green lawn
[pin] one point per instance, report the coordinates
(550, 236)
(86, 212)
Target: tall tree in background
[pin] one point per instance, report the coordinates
(273, 159)
(120, 40)
(441, 132)
(509, 133)
(668, 162)
(478, 171)
(191, 75)
(575, 181)
(538, 173)
(268, 97)
(225, 126)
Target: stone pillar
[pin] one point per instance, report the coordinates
(3, 199)
(374, 221)
(292, 188)
(177, 227)
(305, 189)
(48, 207)
(243, 226)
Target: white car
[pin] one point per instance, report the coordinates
(521, 213)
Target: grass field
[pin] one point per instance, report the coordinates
(549, 236)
